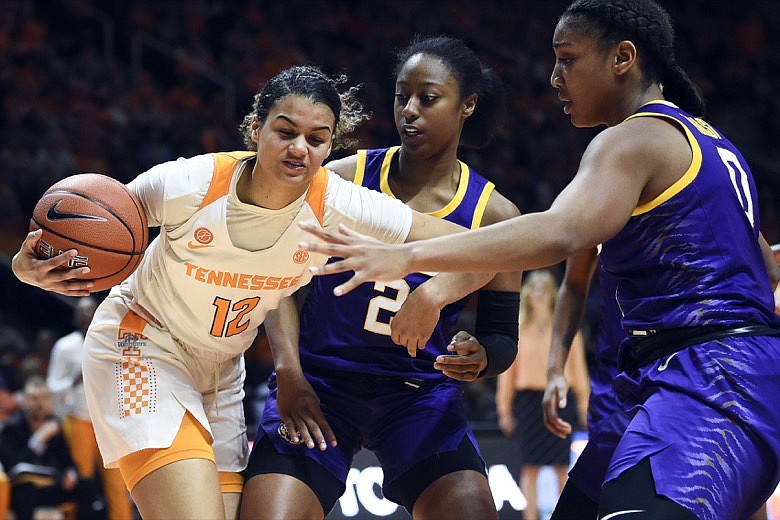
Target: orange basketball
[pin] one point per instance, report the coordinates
(100, 218)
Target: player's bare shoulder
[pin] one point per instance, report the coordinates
(499, 208)
(345, 167)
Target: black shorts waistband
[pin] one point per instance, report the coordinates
(665, 342)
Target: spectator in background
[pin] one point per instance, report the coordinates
(523, 385)
(13, 347)
(37, 458)
(65, 381)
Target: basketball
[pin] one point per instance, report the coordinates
(100, 218)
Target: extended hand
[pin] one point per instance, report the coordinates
(467, 361)
(51, 274)
(370, 259)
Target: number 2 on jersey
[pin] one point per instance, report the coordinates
(379, 303)
(228, 316)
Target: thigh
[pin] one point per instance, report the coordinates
(591, 466)
(424, 439)
(633, 495)
(137, 382)
(183, 489)
(574, 503)
(281, 485)
(226, 417)
(447, 484)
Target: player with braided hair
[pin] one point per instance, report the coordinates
(675, 208)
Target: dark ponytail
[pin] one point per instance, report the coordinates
(680, 90)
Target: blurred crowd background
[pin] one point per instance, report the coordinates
(116, 87)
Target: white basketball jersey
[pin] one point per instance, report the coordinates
(211, 295)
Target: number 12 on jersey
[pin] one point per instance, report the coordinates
(229, 316)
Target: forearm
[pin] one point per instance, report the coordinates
(567, 317)
(282, 327)
(526, 242)
(446, 288)
(570, 307)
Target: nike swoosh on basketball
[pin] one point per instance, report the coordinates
(53, 214)
(193, 245)
(621, 513)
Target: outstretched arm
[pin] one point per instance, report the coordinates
(567, 318)
(614, 172)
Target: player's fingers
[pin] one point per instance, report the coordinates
(292, 430)
(304, 434)
(339, 266)
(31, 240)
(70, 276)
(460, 336)
(559, 428)
(78, 290)
(456, 361)
(328, 433)
(349, 285)
(467, 376)
(315, 427)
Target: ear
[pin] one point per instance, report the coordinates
(625, 57)
(255, 133)
(469, 104)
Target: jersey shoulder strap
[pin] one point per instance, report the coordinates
(224, 166)
(315, 197)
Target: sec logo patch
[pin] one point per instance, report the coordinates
(301, 256)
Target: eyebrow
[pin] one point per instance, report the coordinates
(424, 83)
(560, 43)
(282, 116)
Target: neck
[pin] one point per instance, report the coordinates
(632, 103)
(253, 189)
(414, 174)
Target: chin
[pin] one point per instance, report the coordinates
(580, 123)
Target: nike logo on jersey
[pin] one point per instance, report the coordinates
(665, 363)
(193, 245)
(53, 214)
(621, 513)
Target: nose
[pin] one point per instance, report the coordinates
(410, 111)
(555, 78)
(297, 146)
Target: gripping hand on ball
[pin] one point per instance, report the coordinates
(51, 274)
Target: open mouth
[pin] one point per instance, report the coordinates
(410, 131)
